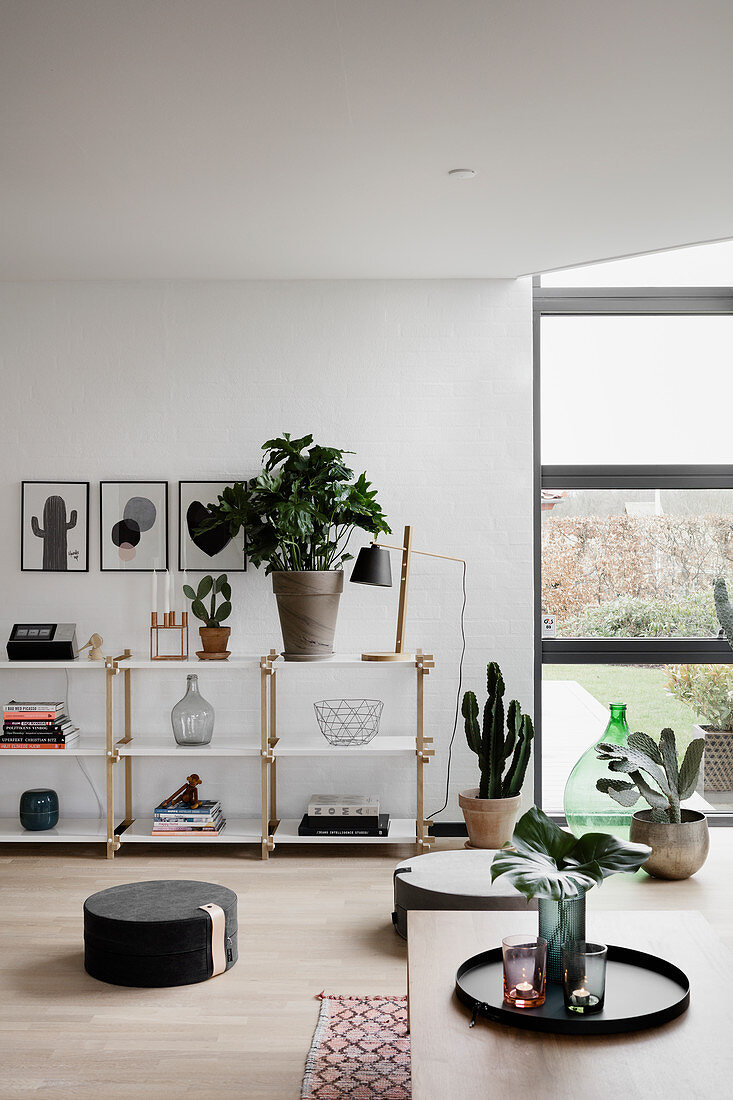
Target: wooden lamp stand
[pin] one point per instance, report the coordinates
(407, 552)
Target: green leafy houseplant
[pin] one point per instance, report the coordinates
(300, 511)
(544, 861)
(492, 748)
(667, 782)
(215, 615)
(549, 864)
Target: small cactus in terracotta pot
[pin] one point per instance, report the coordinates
(214, 636)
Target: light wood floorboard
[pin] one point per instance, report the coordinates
(308, 920)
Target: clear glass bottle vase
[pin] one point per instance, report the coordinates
(192, 717)
(586, 808)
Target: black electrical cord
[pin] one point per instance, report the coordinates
(458, 698)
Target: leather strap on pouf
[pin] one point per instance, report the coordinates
(218, 935)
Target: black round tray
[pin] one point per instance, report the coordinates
(641, 991)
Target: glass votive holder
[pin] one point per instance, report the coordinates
(525, 970)
(584, 976)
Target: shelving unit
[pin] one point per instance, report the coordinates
(267, 830)
(419, 747)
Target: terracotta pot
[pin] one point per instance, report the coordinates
(677, 850)
(490, 821)
(308, 604)
(214, 639)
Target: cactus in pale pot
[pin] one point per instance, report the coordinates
(492, 748)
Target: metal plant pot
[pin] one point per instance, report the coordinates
(677, 850)
(308, 604)
(490, 821)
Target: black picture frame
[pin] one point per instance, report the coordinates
(84, 542)
(131, 568)
(211, 566)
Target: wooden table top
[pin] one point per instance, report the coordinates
(691, 1056)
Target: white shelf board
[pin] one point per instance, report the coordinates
(236, 662)
(68, 830)
(342, 660)
(157, 745)
(238, 830)
(307, 745)
(85, 746)
(402, 830)
(50, 666)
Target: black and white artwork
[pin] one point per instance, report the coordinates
(54, 530)
(133, 525)
(212, 551)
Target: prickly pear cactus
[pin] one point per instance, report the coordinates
(723, 608)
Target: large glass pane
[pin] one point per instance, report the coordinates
(635, 563)
(636, 389)
(575, 701)
(701, 265)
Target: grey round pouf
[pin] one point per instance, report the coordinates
(155, 933)
(451, 880)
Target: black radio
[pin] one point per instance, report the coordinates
(42, 642)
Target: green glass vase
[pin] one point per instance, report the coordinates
(588, 810)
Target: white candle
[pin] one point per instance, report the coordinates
(173, 591)
(524, 988)
(154, 591)
(167, 591)
(581, 996)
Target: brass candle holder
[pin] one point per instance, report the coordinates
(169, 624)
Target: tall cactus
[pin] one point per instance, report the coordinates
(723, 608)
(673, 782)
(492, 748)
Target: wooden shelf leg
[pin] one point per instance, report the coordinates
(264, 761)
(109, 757)
(420, 744)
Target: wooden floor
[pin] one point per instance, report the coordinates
(307, 921)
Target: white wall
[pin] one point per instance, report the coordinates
(428, 382)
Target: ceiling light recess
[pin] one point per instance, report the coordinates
(462, 173)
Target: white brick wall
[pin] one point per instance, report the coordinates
(428, 381)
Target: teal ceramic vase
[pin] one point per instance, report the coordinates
(39, 809)
(588, 810)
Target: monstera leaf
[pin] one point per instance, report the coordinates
(544, 861)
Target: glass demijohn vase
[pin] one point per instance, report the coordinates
(586, 808)
(193, 716)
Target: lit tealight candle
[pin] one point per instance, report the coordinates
(581, 997)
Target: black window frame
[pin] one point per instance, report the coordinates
(572, 301)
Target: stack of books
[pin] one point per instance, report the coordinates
(343, 815)
(206, 820)
(37, 725)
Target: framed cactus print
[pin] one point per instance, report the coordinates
(54, 527)
(133, 526)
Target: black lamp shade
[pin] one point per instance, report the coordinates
(373, 567)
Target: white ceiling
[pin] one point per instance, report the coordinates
(312, 138)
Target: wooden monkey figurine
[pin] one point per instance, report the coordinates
(94, 645)
(187, 795)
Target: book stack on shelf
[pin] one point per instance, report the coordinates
(206, 819)
(37, 725)
(343, 815)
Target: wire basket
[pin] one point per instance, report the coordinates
(349, 721)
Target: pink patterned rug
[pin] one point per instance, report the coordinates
(360, 1050)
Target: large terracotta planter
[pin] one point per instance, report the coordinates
(677, 850)
(308, 604)
(490, 821)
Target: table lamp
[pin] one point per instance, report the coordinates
(373, 566)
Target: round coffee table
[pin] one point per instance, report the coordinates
(451, 880)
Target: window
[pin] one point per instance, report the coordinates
(634, 515)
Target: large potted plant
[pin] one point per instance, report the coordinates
(708, 691)
(490, 810)
(677, 837)
(549, 864)
(298, 515)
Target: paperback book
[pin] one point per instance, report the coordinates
(343, 805)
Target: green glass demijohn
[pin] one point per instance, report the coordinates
(588, 810)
